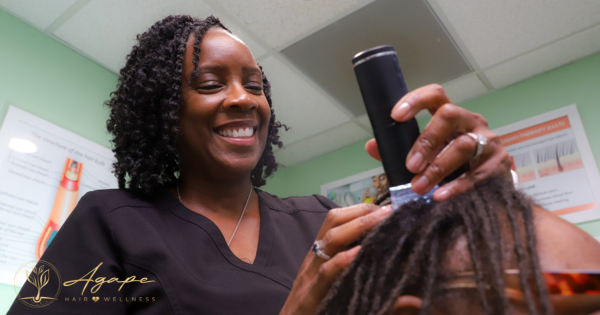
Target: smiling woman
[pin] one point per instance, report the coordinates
(162, 73)
(193, 135)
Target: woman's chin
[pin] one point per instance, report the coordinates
(239, 168)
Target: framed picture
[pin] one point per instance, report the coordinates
(363, 187)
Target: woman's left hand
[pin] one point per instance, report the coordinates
(444, 145)
(342, 226)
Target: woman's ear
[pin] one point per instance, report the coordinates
(407, 305)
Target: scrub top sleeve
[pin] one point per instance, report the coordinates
(84, 250)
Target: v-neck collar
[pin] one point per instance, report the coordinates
(265, 238)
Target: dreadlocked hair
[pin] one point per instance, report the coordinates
(144, 109)
(409, 254)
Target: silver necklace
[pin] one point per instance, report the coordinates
(241, 216)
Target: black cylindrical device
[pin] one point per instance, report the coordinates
(382, 86)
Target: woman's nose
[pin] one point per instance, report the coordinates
(239, 97)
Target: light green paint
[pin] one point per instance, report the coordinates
(576, 83)
(47, 79)
(304, 179)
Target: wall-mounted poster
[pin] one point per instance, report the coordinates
(44, 171)
(363, 187)
(554, 163)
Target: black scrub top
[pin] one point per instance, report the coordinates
(183, 252)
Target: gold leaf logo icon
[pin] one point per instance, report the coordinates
(95, 298)
(38, 277)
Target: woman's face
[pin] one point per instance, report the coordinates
(225, 115)
(380, 184)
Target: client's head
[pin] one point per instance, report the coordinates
(450, 257)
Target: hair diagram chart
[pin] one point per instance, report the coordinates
(59, 166)
(524, 167)
(548, 151)
(558, 158)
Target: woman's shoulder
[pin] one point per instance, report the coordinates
(100, 205)
(112, 199)
(314, 203)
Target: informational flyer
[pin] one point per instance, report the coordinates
(554, 163)
(44, 171)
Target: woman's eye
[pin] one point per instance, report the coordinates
(209, 87)
(254, 87)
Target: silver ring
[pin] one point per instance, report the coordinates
(316, 248)
(480, 140)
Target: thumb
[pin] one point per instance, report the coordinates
(372, 150)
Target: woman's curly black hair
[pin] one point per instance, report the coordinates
(144, 109)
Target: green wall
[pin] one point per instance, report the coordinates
(578, 83)
(47, 79)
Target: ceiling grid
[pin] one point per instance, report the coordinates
(306, 47)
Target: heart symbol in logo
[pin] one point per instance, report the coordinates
(95, 298)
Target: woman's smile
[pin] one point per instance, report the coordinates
(239, 133)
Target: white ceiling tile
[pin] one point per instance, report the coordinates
(547, 58)
(364, 122)
(106, 29)
(464, 89)
(299, 105)
(279, 21)
(40, 13)
(320, 144)
(494, 31)
(257, 49)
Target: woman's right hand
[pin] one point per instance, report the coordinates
(342, 226)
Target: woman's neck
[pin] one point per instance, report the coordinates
(223, 197)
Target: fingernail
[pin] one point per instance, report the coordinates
(387, 208)
(401, 111)
(354, 251)
(384, 212)
(415, 162)
(421, 183)
(442, 194)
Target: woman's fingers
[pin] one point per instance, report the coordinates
(429, 97)
(342, 226)
(448, 121)
(494, 161)
(444, 147)
(332, 268)
(339, 237)
(372, 150)
(339, 216)
(458, 152)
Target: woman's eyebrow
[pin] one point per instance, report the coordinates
(215, 68)
(252, 70)
(247, 70)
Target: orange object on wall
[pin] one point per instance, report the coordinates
(64, 203)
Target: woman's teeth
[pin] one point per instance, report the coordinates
(237, 133)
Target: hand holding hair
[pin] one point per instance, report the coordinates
(445, 144)
(441, 148)
(341, 227)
